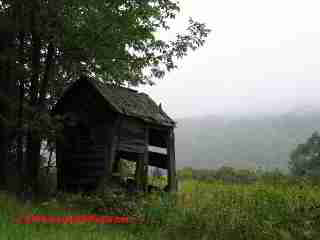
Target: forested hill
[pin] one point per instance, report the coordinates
(243, 142)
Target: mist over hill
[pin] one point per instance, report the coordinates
(256, 141)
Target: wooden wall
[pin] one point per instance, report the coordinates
(82, 156)
(82, 159)
(131, 135)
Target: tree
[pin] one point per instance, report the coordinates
(305, 159)
(48, 44)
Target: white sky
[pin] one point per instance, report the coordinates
(261, 56)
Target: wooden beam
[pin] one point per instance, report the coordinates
(139, 172)
(114, 140)
(115, 167)
(171, 163)
(159, 127)
(142, 164)
(131, 148)
(146, 158)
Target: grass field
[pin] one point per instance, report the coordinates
(201, 210)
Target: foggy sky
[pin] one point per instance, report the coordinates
(262, 56)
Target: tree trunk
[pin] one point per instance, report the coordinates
(8, 93)
(33, 161)
(20, 112)
(3, 155)
(33, 140)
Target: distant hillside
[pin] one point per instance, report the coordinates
(244, 142)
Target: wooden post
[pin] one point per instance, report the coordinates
(142, 164)
(111, 156)
(114, 142)
(171, 162)
(116, 167)
(146, 159)
(139, 172)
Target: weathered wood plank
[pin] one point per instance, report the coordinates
(171, 161)
(114, 144)
(110, 149)
(131, 148)
(139, 172)
(131, 134)
(134, 142)
(146, 159)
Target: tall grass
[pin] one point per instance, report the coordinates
(256, 211)
(202, 210)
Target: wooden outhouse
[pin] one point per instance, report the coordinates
(104, 123)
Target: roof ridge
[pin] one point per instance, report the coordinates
(114, 85)
(129, 101)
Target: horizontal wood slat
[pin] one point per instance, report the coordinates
(131, 148)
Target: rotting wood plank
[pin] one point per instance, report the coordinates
(131, 148)
(134, 133)
(171, 161)
(139, 173)
(163, 128)
(146, 159)
(110, 151)
(131, 141)
(175, 188)
(113, 145)
(116, 139)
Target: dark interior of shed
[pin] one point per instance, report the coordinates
(84, 167)
(157, 157)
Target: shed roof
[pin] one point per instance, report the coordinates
(128, 102)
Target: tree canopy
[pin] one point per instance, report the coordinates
(305, 159)
(47, 44)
